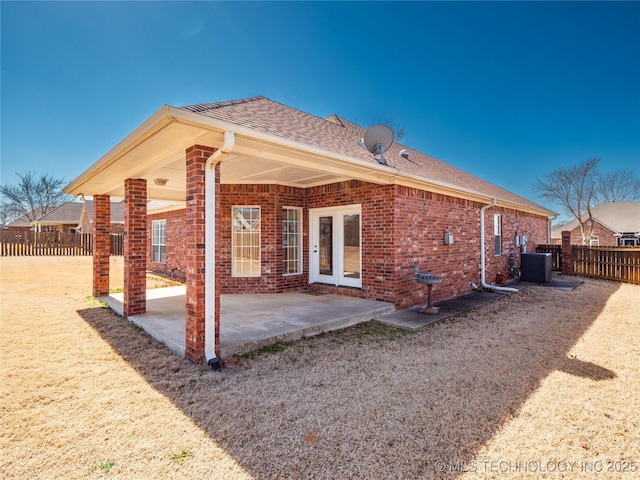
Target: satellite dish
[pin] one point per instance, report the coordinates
(378, 139)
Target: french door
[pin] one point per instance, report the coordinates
(335, 246)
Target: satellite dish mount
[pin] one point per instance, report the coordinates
(377, 140)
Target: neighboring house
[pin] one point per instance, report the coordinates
(64, 218)
(23, 223)
(616, 224)
(86, 223)
(70, 217)
(263, 198)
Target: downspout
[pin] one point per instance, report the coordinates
(550, 219)
(482, 262)
(211, 353)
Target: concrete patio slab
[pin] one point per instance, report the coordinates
(249, 322)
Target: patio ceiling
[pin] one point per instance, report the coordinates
(156, 150)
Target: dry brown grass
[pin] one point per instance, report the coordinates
(542, 376)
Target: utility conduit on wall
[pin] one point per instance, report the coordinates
(482, 255)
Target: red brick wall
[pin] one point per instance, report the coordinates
(101, 244)
(401, 226)
(271, 199)
(605, 236)
(175, 265)
(194, 239)
(135, 246)
(378, 258)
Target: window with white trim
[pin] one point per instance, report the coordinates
(159, 241)
(291, 241)
(594, 241)
(245, 241)
(497, 234)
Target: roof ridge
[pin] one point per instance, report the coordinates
(201, 107)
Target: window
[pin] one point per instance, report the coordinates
(628, 242)
(594, 241)
(291, 241)
(245, 241)
(159, 241)
(497, 234)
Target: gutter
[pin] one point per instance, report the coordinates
(211, 343)
(495, 288)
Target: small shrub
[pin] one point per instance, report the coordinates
(183, 455)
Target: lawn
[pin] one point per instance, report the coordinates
(541, 384)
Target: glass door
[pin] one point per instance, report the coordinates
(335, 246)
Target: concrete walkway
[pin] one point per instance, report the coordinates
(249, 322)
(413, 319)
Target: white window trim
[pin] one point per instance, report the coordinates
(299, 237)
(497, 234)
(154, 223)
(233, 243)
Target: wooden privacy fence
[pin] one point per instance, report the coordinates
(612, 263)
(556, 255)
(22, 243)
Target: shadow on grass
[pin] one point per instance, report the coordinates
(366, 404)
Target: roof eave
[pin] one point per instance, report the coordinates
(167, 115)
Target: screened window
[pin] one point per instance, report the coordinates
(497, 234)
(159, 241)
(246, 241)
(291, 241)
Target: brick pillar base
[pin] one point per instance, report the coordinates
(196, 159)
(567, 260)
(135, 247)
(101, 244)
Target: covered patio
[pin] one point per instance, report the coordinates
(177, 161)
(249, 322)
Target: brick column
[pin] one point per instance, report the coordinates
(135, 246)
(567, 261)
(101, 244)
(196, 158)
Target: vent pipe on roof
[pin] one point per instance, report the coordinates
(482, 263)
(211, 344)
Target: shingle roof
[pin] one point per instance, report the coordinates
(619, 217)
(335, 134)
(116, 208)
(68, 212)
(23, 221)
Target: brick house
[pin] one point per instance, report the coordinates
(615, 224)
(23, 224)
(251, 196)
(86, 223)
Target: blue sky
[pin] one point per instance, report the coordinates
(504, 90)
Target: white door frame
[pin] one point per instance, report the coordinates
(338, 213)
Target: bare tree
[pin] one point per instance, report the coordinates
(399, 131)
(33, 196)
(7, 213)
(575, 188)
(619, 186)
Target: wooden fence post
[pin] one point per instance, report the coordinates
(567, 254)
